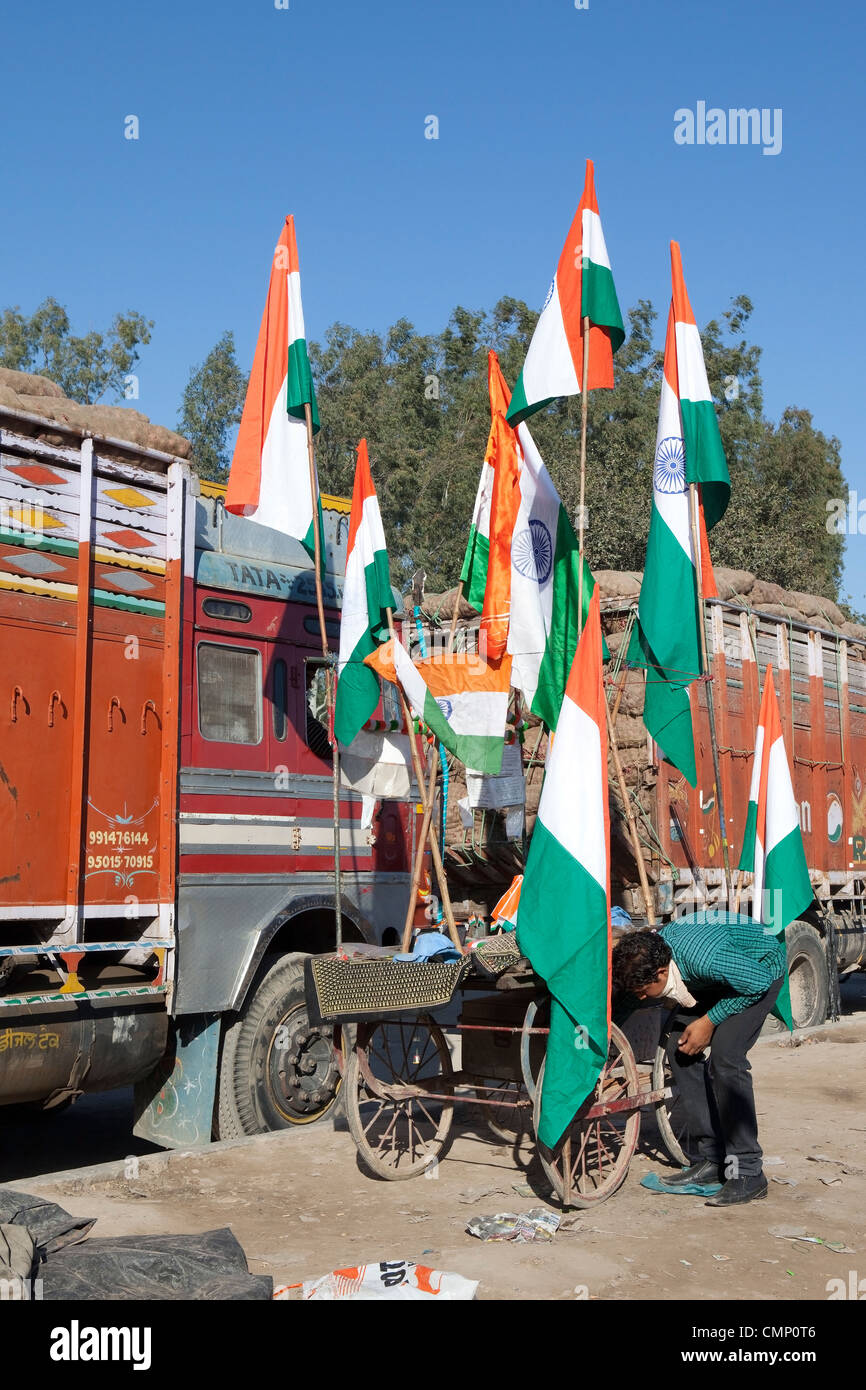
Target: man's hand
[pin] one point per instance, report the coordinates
(696, 1036)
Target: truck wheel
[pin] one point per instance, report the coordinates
(276, 1071)
(809, 979)
(807, 970)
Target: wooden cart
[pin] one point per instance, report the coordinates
(401, 1087)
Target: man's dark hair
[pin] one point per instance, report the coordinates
(637, 958)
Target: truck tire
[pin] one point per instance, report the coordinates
(809, 978)
(276, 1071)
(807, 970)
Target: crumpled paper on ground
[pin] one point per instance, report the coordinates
(538, 1223)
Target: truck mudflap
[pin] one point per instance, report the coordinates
(174, 1104)
(51, 1056)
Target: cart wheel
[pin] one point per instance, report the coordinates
(601, 1149)
(670, 1114)
(509, 1122)
(398, 1137)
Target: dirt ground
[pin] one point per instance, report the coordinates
(300, 1206)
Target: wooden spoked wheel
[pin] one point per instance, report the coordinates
(670, 1113)
(506, 1110)
(400, 1134)
(601, 1146)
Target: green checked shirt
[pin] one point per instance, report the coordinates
(727, 952)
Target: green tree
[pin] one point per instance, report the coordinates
(421, 401)
(211, 407)
(85, 368)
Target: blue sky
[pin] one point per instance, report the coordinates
(248, 112)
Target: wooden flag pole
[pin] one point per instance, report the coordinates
(584, 401)
(428, 830)
(714, 742)
(331, 678)
(455, 615)
(629, 815)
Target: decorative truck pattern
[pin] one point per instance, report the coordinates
(166, 801)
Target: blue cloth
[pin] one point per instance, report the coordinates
(689, 1189)
(619, 917)
(431, 945)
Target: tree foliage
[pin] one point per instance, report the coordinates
(421, 401)
(211, 407)
(85, 368)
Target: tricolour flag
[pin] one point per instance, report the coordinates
(461, 698)
(582, 288)
(269, 481)
(705, 456)
(772, 841)
(366, 597)
(564, 924)
(544, 579)
(473, 575)
(667, 639)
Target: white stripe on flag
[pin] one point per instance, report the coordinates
(549, 369)
(594, 247)
(782, 815)
(691, 370)
(575, 816)
(296, 311)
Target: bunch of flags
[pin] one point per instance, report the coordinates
(540, 625)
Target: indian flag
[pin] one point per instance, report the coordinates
(366, 598)
(667, 638)
(582, 288)
(564, 924)
(461, 698)
(473, 575)
(544, 571)
(705, 456)
(269, 481)
(772, 842)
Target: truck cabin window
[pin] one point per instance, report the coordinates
(316, 674)
(229, 694)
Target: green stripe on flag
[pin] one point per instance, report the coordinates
(300, 384)
(358, 686)
(562, 929)
(705, 458)
(747, 858)
(562, 639)
(473, 575)
(309, 541)
(666, 640)
(478, 751)
(787, 887)
(520, 409)
(598, 300)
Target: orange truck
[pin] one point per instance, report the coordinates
(166, 804)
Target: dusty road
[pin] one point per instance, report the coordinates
(300, 1206)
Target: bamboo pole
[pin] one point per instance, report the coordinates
(632, 825)
(331, 680)
(428, 830)
(454, 616)
(714, 742)
(584, 400)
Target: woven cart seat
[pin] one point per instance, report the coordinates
(346, 990)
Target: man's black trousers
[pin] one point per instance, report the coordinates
(718, 1097)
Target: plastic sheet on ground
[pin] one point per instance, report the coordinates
(210, 1265)
(539, 1223)
(390, 1279)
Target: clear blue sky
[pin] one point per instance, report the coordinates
(248, 112)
